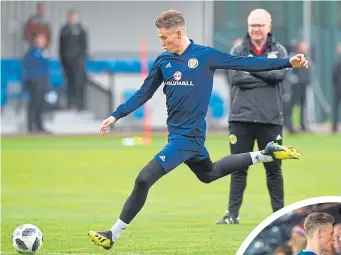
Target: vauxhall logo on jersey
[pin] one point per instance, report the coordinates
(177, 81)
(177, 76)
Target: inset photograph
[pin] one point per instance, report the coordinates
(313, 229)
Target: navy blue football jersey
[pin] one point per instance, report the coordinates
(188, 83)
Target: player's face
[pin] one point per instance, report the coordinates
(337, 238)
(326, 237)
(170, 39)
(258, 27)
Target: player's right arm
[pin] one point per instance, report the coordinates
(242, 79)
(147, 90)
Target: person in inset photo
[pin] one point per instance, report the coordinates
(319, 230)
(313, 229)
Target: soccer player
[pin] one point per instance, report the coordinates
(187, 71)
(319, 230)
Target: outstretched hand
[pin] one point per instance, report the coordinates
(298, 61)
(106, 124)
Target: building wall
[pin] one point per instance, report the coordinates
(112, 26)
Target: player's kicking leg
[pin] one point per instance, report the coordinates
(207, 172)
(146, 178)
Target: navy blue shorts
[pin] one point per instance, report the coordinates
(181, 150)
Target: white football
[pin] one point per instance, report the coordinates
(27, 238)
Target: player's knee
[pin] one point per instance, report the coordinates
(142, 183)
(204, 179)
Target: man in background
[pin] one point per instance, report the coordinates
(38, 24)
(73, 55)
(256, 111)
(336, 88)
(300, 88)
(288, 93)
(36, 82)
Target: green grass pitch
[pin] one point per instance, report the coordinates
(69, 185)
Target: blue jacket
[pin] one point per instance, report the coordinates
(35, 65)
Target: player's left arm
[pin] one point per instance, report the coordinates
(275, 76)
(221, 60)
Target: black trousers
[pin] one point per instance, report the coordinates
(302, 103)
(335, 108)
(300, 99)
(287, 114)
(35, 107)
(76, 79)
(242, 138)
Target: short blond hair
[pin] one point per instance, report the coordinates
(262, 11)
(170, 19)
(314, 220)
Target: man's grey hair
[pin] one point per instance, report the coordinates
(261, 11)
